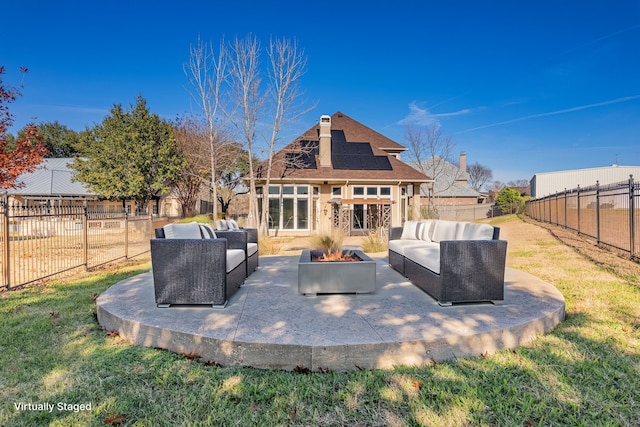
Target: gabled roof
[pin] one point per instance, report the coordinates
(357, 152)
(449, 179)
(53, 178)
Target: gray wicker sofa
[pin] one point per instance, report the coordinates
(454, 262)
(191, 267)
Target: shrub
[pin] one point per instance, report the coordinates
(374, 242)
(267, 245)
(329, 242)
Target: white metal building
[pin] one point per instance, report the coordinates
(547, 183)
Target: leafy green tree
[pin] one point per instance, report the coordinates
(510, 200)
(131, 155)
(59, 139)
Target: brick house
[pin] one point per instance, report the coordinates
(340, 174)
(451, 183)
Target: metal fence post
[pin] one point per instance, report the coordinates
(85, 238)
(565, 207)
(6, 269)
(632, 238)
(578, 207)
(126, 235)
(598, 212)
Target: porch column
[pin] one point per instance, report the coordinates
(416, 203)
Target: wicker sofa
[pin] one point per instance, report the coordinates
(454, 262)
(192, 265)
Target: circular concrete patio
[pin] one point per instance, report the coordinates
(267, 324)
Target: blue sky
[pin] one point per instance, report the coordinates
(522, 87)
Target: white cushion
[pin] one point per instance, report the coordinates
(447, 230)
(427, 256)
(412, 230)
(399, 246)
(190, 230)
(427, 228)
(473, 231)
(252, 248)
(233, 225)
(207, 231)
(221, 225)
(234, 258)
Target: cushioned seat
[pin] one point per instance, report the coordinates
(427, 255)
(400, 246)
(235, 257)
(192, 265)
(450, 260)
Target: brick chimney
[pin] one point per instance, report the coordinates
(463, 161)
(325, 141)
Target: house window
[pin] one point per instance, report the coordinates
(303, 214)
(288, 222)
(288, 207)
(369, 215)
(336, 191)
(287, 189)
(358, 217)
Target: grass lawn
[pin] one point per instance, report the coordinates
(586, 372)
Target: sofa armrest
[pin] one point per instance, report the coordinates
(252, 235)
(189, 271)
(235, 239)
(473, 255)
(473, 270)
(395, 233)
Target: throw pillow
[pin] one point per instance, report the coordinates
(207, 232)
(189, 230)
(412, 230)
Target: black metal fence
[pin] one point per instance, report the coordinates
(608, 213)
(42, 241)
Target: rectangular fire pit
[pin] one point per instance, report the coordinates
(327, 277)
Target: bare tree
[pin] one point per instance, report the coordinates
(206, 73)
(431, 152)
(429, 149)
(287, 66)
(192, 141)
(245, 105)
(479, 175)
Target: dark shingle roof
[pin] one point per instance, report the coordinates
(358, 152)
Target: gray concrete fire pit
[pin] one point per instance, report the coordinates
(328, 277)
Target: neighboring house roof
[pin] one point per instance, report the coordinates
(357, 153)
(53, 178)
(449, 179)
